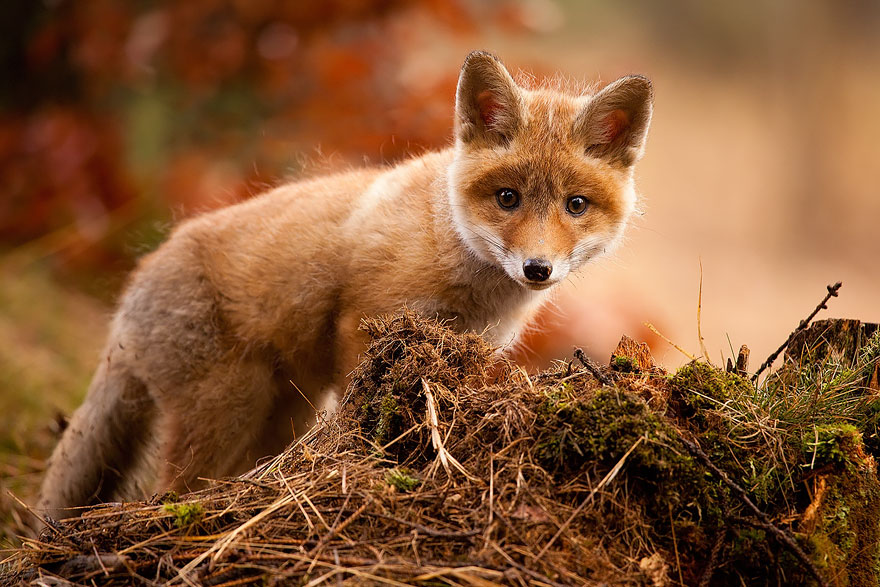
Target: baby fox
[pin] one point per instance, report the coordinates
(225, 328)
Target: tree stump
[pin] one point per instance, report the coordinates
(837, 339)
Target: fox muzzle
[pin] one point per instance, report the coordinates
(537, 269)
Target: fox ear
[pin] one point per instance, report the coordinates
(614, 124)
(488, 104)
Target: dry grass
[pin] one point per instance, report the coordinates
(450, 466)
(51, 337)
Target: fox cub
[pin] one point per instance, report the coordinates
(245, 310)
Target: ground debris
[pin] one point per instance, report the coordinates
(448, 465)
(632, 356)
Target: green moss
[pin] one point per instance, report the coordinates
(846, 539)
(624, 364)
(558, 397)
(823, 552)
(869, 425)
(600, 430)
(402, 479)
(833, 444)
(388, 418)
(185, 514)
(701, 386)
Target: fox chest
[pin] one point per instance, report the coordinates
(499, 316)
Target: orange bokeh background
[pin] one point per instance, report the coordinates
(762, 165)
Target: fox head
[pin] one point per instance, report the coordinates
(542, 181)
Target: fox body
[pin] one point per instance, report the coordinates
(225, 328)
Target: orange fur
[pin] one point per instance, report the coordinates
(242, 309)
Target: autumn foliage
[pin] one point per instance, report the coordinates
(120, 111)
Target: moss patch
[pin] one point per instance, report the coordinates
(698, 387)
(838, 445)
(845, 533)
(185, 514)
(402, 479)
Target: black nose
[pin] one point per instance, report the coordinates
(537, 269)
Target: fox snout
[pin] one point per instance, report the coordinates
(537, 270)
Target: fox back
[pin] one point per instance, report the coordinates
(247, 317)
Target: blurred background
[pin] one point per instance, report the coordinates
(118, 119)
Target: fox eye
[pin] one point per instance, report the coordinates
(507, 198)
(577, 205)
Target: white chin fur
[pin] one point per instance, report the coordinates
(538, 286)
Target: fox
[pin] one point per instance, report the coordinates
(247, 317)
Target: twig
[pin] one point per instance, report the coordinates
(318, 416)
(335, 530)
(592, 368)
(703, 348)
(653, 329)
(762, 520)
(100, 562)
(832, 293)
(465, 535)
(443, 455)
(675, 544)
(492, 488)
(50, 522)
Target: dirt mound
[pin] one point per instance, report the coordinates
(448, 465)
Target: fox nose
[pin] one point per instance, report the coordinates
(537, 269)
